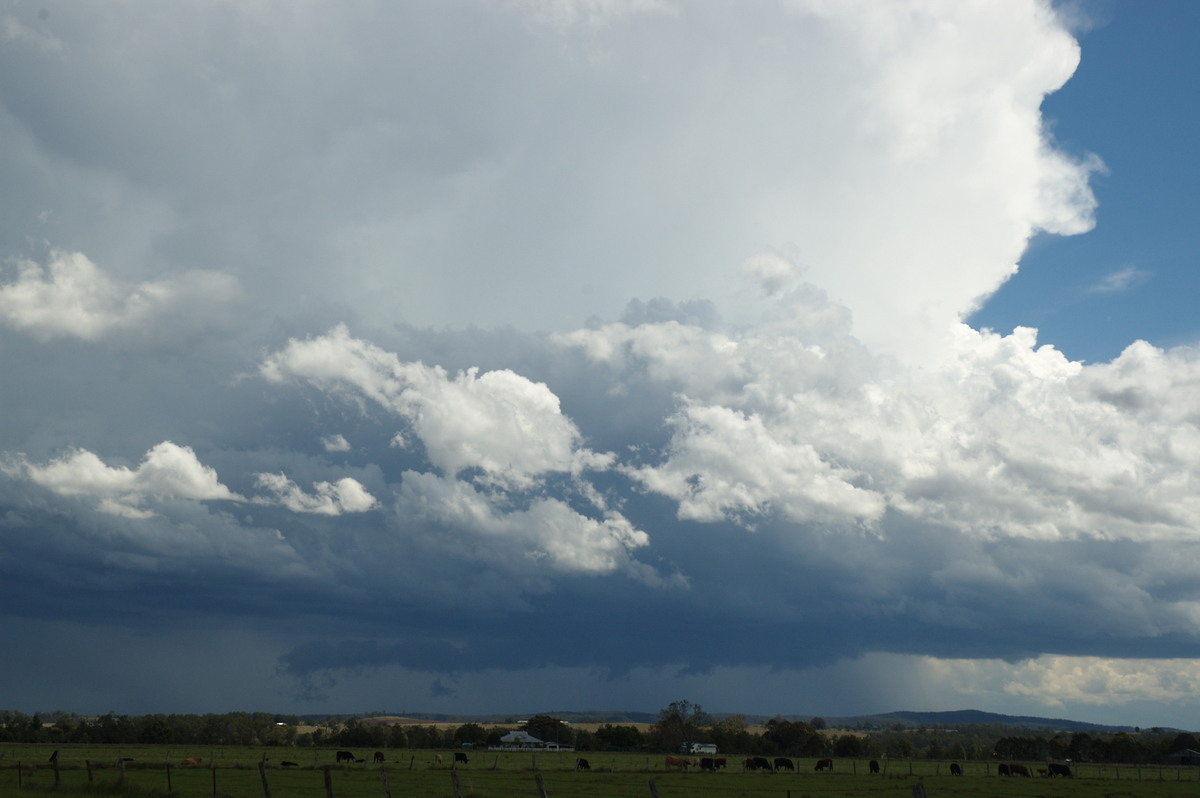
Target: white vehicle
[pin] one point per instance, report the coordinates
(704, 748)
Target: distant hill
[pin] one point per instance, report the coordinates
(972, 717)
(907, 719)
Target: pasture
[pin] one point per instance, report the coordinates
(234, 772)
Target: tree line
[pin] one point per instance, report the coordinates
(678, 726)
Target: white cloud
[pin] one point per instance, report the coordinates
(72, 298)
(1002, 437)
(347, 495)
(335, 443)
(548, 533)
(508, 427)
(1120, 280)
(169, 471)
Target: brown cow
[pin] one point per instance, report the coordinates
(824, 764)
(1017, 770)
(683, 763)
(192, 762)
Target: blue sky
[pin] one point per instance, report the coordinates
(1134, 276)
(784, 357)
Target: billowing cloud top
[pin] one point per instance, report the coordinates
(657, 316)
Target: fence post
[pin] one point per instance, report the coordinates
(537, 777)
(454, 782)
(87, 763)
(169, 777)
(653, 789)
(387, 791)
(411, 761)
(262, 772)
(213, 767)
(121, 765)
(54, 760)
(328, 782)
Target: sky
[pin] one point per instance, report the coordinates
(786, 357)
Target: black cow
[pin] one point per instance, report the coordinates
(1003, 770)
(955, 769)
(783, 763)
(874, 765)
(708, 763)
(762, 763)
(824, 764)
(459, 756)
(1059, 770)
(343, 756)
(378, 756)
(582, 764)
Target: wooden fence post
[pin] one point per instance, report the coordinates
(537, 777)
(454, 783)
(411, 761)
(262, 772)
(328, 782)
(387, 791)
(87, 763)
(121, 765)
(169, 777)
(653, 789)
(54, 760)
(213, 767)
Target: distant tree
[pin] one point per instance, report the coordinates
(817, 723)
(793, 738)
(549, 729)
(848, 745)
(471, 733)
(619, 738)
(1182, 742)
(680, 722)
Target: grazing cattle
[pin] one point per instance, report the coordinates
(288, 764)
(437, 759)
(459, 756)
(762, 763)
(378, 756)
(678, 762)
(343, 756)
(874, 765)
(720, 762)
(582, 764)
(1003, 770)
(955, 769)
(707, 763)
(1059, 770)
(783, 763)
(824, 764)
(1018, 770)
(191, 762)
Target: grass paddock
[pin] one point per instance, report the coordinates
(234, 772)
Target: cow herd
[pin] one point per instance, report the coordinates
(712, 764)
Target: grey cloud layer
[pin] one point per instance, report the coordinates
(467, 337)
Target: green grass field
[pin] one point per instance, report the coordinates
(234, 772)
